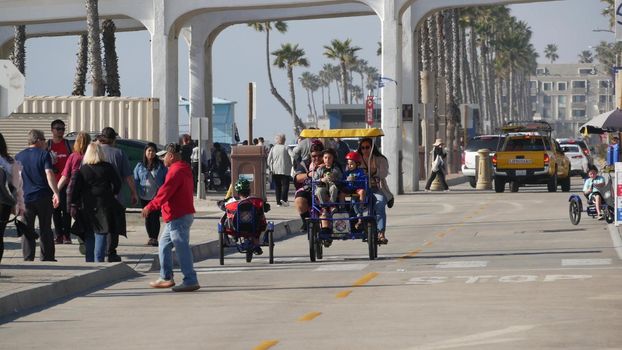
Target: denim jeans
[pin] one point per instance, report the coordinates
(101, 244)
(177, 233)
(380, 206)
(89, 246)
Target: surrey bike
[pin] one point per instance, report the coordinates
(344, 218)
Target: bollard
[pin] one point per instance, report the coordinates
(484, 171)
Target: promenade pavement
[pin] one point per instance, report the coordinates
(26, 286)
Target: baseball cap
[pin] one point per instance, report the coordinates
(109, 133)
(161, 153)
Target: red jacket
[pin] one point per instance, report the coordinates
(175, 197)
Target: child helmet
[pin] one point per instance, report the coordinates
(242, 185)
(355, 156)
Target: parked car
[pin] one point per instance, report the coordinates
(579, 163)
(134, 149)
(469, 156)
(582, 144)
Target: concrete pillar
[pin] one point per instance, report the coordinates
(164, 77)
(410, 96)
(391, 93)
(484, 170)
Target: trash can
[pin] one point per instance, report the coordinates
(249, 162)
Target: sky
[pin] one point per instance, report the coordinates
(239, 58)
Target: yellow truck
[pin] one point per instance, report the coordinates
(529, 155)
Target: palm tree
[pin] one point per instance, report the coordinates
(79, 81)
(288, 57)
(325, 78)
(550, 52)
(18, 56)
(113, 85)
(343, 52)
(609, 12)
(95, 55)
(267, 27)
(586, 57)
(309, 82)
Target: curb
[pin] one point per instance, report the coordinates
(203, 251)
(30, 297)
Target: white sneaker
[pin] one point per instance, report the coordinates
(279, 205)
(285, 204)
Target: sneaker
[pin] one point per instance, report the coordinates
(162, 283)
(447, 190)
(601, 217)
(152, 242)
(427, 190)
(285, 204)
(58, 240)
(186, 287)
(67, 240)
(114, 258)
(327, 243)
(279, 205)
(257, 250)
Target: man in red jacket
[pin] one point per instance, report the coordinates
(175, 199)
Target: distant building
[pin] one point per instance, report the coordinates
(350, 116)
(223, 114)
(223, 118)
(568, 95)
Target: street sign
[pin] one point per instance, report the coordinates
(617, 192)
(618, 24)
(369, 110)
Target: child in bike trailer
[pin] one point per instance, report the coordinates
(592, 188)
(354, 183)
(230, 206)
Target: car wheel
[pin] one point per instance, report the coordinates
(552, 184)
(514, 185)
(499, 184)
(565, 183)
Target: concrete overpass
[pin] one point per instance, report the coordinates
(199, 22)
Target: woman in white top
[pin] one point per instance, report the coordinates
(280, 165)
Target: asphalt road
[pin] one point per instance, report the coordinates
(462, 270)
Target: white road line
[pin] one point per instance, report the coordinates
(617, 241)
(342, 267)
(461, 264)
(585, 262)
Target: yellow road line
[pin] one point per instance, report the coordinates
(344, 293)
(363, 280)
(429, 243)
(310, 316)
(440, 235)
(266, 344)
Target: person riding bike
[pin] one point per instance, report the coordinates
(243, 188)
(592, 188)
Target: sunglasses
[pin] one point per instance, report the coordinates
(365, 147)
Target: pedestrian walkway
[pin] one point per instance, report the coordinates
(24, 285)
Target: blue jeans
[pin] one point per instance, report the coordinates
(380, 206)
(101, 246)
(177, 233)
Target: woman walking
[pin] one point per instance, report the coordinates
(11, 169)
(376, 167)
(94, 191)
(149, 176)
(280, 165)
(438, 165)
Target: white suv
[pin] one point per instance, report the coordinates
(469, 156)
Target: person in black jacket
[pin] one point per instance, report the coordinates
(92, 199)
(438, 165)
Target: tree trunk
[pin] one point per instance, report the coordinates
(79, 81)
(434, 72)
(344, 81)
(95, 55)
(111, 61)
(314, 108)
(298, 124)
(18, 56)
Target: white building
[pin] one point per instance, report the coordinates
(567, 95)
